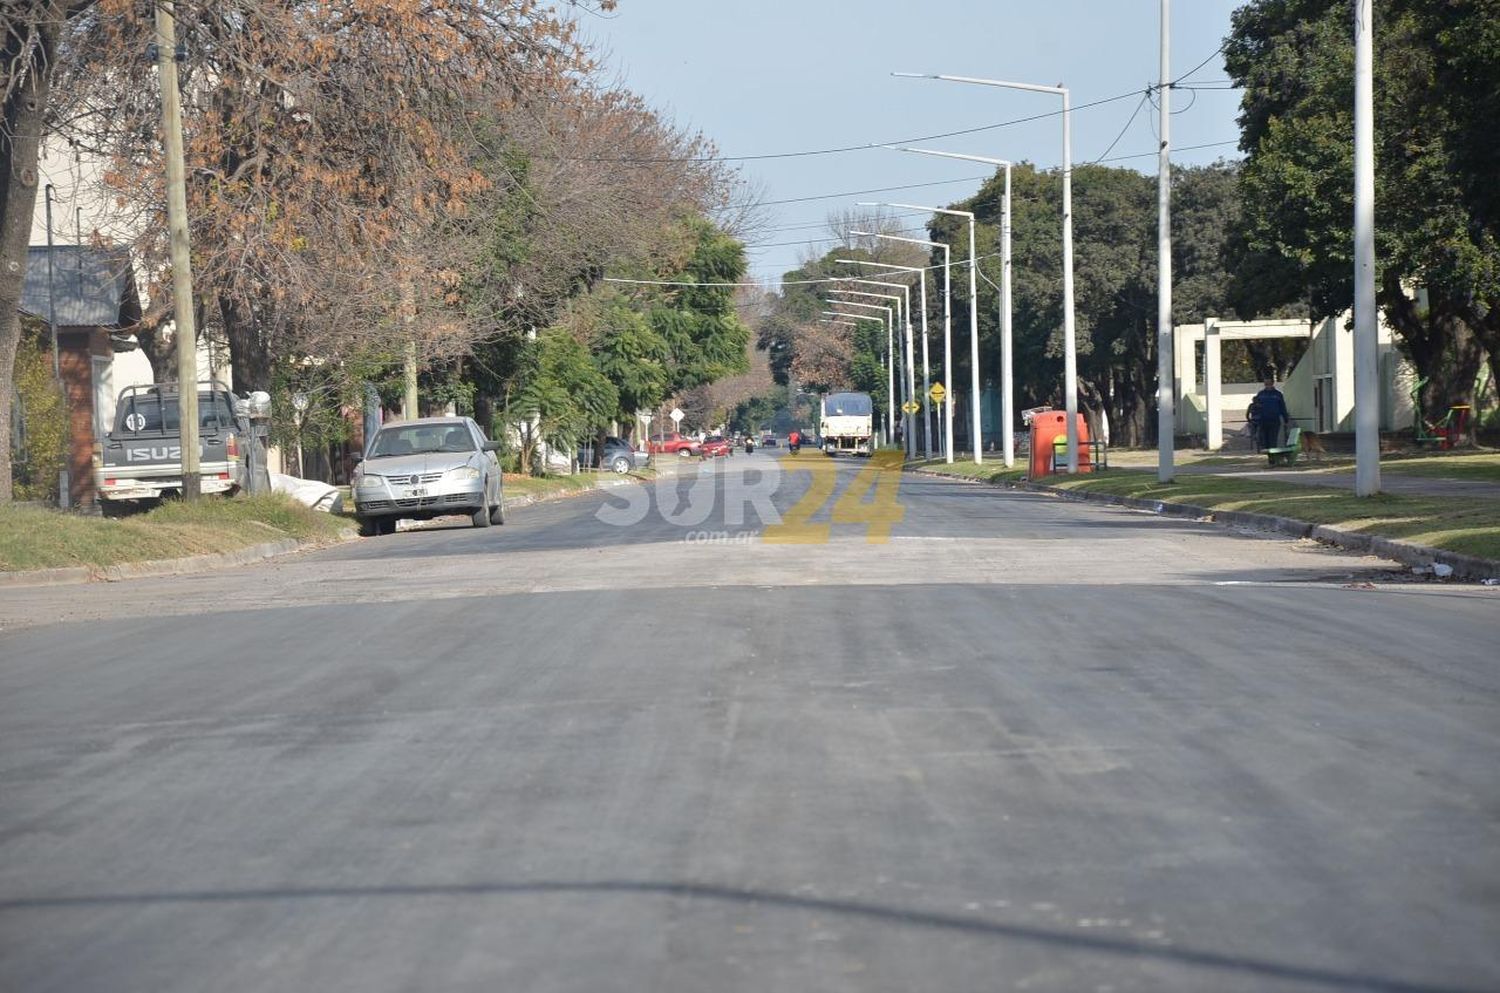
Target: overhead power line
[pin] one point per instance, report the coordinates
(843, 148)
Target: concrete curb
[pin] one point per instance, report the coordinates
(1464, 566)
(154, 568)
(73, 575)
(611, 483)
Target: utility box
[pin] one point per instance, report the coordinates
(1049, 439)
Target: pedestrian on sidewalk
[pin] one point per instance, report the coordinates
(1269, 414)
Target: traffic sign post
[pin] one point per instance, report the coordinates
(938, 394)
(911, 407)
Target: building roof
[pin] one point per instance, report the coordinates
(94, 286)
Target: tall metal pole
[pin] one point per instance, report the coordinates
(1366, 344)
(1166, 386)
(1070, 350)
(890, 376)
(974, 345)
(1070, 338)
(911, 381)
(948, 352)
(182, 273)
(1007, 360)
(924, 400)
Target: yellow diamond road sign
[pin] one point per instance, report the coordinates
(911, 406)
(937, 392)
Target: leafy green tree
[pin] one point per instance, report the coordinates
(1114, 236)
(635, 358)
(1435, 223)
(704, 336)
(565, 391)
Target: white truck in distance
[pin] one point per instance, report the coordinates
(846, 425)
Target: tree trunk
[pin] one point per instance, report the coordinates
(484, 414)
(1446, 351)
(21, 124)
(249, 352)
(160, 352)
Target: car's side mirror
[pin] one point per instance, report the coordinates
(492, 446)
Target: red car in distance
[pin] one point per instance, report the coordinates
(716, 445)
(675, 444)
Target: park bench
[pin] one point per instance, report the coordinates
(1287, 454)
(1097, 461)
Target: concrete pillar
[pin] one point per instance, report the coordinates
(1214, 411)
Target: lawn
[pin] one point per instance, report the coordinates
(37, 538)
(541, 487)
(988, 472)
(1483, 467)
(1467, 525)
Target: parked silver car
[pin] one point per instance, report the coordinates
(426, 468)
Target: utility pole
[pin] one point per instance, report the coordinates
(1166, 386)
(1366, 344)
(409, 406)
(64, 475)
(409, 394)
(182, 272)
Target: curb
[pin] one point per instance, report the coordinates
(154, 568)
(528, 500)
(1471, 567)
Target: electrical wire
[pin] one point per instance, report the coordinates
(844, 148)
(1133, 115)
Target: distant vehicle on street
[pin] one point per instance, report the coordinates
(621, 456)
(715, 446)
(426, 468)
(139, 462)
(768, 441)
(676, 444)
(847, 424)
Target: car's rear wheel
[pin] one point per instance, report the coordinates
(685, 452)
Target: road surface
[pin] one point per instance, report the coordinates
(953, 738)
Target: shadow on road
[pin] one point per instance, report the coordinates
(880, 913)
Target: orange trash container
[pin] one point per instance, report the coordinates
(1049, 435)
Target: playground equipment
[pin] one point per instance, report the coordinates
(1445, 433)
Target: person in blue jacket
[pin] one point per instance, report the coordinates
(1270, 414)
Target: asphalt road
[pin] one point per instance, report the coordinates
(950, 739)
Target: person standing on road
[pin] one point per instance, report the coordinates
(1271, 414)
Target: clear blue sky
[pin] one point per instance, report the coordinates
(774, 76)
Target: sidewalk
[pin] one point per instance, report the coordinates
(1339, 475)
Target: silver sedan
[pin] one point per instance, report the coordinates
(426, 468)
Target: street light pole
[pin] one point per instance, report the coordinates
(1366, 345)
(924, 399)
(890, 352)
(1007, 366)
(1166, 386)
(973, 317)
(909, 379)
(1070, 343)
